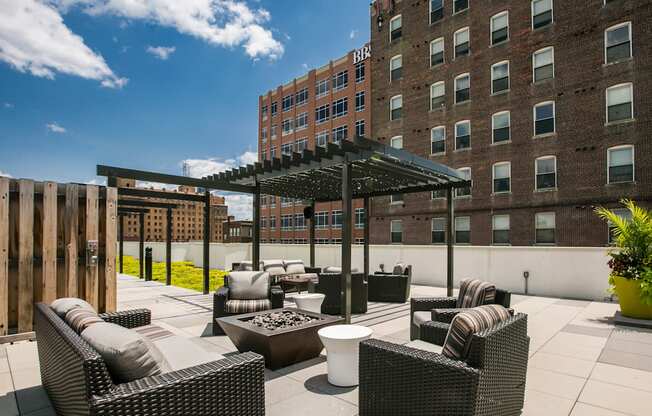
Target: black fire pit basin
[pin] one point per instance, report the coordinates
(280, 347)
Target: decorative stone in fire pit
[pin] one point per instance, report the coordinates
(281, 320)
(283, 336)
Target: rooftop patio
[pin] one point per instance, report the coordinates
(580, 364)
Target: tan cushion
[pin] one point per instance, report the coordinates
(81, 318)
(248, 285)
(465, 324)
(63, 305)
(128, 355)
(274, 267)
(180, 353)
(475, 293)
(421, 317)
(294, 266)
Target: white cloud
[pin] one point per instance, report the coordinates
(34, 39)
(98, 182)
(155, 185)
(353, 34)
(55, 128)
(8, 105)
(5, 174)
(161, 52)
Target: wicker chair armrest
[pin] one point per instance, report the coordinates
(383, 273)
(230, 387)
(133, 318)
(434, 332)
(312, 269)
(446, 315)
(426, 304)
(277, 296)
(222, 292)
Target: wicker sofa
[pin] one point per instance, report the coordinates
(78, 382)
(400, 380)
(279, 268)
(391, 286)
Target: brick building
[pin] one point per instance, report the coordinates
(187, 218)
(327, 104)
(237, 231)
(545, 105)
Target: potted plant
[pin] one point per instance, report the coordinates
(631, 259)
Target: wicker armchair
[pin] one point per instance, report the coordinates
(78, 383)
(399, 380)
(390, 287)
(330, 285)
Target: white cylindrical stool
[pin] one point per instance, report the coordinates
(342, 343)
(310, 302)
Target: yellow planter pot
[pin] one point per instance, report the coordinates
(629, 296)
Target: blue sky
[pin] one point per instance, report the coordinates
(57, 121)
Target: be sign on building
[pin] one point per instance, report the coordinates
(361, 54)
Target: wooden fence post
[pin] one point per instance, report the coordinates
(4, 256)
(25, 255)
(92, 232)
(49, 243)
(110, 247)
(70, 231)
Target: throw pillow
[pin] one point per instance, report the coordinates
(62, 306)
(80, 318)
(248, 285)
(294, 266)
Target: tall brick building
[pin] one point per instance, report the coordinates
(545, 105)
(327, 104)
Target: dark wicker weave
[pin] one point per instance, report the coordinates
(443, 310)
(78, 382)
(388, 287)
(129, 319)
(276, 296)
(398, 380)
(330, 284)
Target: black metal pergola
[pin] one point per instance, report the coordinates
(356, 169)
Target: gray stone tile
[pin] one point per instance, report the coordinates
(30, 394)
(542, 404)
(573, 303)
(624, 359)
(305, 370)
(616, 398)
(47, 411)
(588, 330)
(629, 346)
(189, 320)
(553, 383)
(279, 388)
(561, 364)
(22, 355)
(320, 384)
(623, 376)
(313, 404)
(582, 409)
(8, 405)
(632, 335)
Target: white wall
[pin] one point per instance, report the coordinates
(579, 273)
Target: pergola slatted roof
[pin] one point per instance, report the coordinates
(317, 175)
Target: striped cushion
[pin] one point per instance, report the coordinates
(153, 332)
(81, 318)
(475, 293)
(274, 267)
(244, 306)
(465, 324)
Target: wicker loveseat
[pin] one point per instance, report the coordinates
(78, 382)
(330, 284)
(391, 286)
(279, 268)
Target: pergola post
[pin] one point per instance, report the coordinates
(122, 241)
(141, 245)
(347, 225)
(450, 240)
(168, 248)
(311, 236)
(207, 240)
(365, 253)
(255, 252)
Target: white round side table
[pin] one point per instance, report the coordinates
(342, 343)
(310, 302)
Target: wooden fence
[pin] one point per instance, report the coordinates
(56, 240)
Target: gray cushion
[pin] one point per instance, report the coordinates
(62, 306)
(399, 269)
(337, 269)
(294, 266)
(424, 346)
(180, 353)
(81, 318)
(421, 317)
(128, 355)
(248, 285)
(247, 266)
(274, 267)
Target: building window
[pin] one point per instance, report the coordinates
(359, 101)
(359, 128)
(437, 95)
(624, 214)
(438, 229)
(322, 138)
(499, 28)
(620, 103)
(300, 145)
(462, 135)
(340, 80)
(359, 72)
(460, 5)
(462, 88)
(321, 220)
(500, 229)
(263, 112)
(396, 68)
(395, 28)
(274, 108)
(542, 14)
(340, 133)
(620, 163)
(396, 231)
(543, 62)
(322, 114)
(359, 218)
(500, 123)
(544, 118)
(396, 107)
(545, 228)
(322, 88)
(463, 230)
(302, 121)
(396, 199)
(263, 154)
(286, 222)
(465, 173)
(500, 77)
(263, 134)
(273, 132)
(618, 43)
(288, 102)
(337, 219)
(436, 10)
(287, 126)
(438, 140)
(502, 173)
(462, 42)
(397, 142)
(302, 97)
(438, 194)
(299, 222)
(437, 52)
(341, 107)
(272, 152)
(272, 223)
(545, 169)
(286, 149)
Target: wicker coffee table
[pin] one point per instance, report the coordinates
(297, 283)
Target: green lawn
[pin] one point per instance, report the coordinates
(184, 274)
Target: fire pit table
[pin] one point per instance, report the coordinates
(283, 336)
